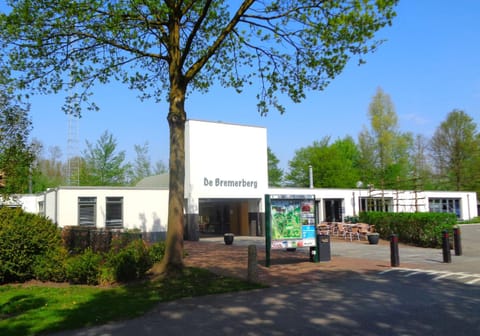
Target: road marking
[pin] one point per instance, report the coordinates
(471, 282)
(444, 275)
(436, 275)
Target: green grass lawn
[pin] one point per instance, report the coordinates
(39, 309)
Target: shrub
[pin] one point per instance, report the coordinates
(129, 263)
(24, 237)
(121, 239)
(421, 229)
(51, 266)
(84, 268)
(157, 251)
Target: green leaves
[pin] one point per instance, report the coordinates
(456, 150)
(286, 47)
(16, 152)
(334, 165)
(104, 166)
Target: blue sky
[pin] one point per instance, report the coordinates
(429, 65)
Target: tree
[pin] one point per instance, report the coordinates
(455, 148)
(174, 47)
(384, 150)
(49, 170)
(104, 166)
(421, 165)
(16, 153)
(275, 174)
(159, 168)
(334, 165)
(142, 166)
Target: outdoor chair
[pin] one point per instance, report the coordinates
(363, 229)
(341, 230)
(353, 232)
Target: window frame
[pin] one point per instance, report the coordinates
(445, 205)
(379, 204)
(114, 220)
(85, 202)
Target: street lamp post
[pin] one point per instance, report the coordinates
(359, 186)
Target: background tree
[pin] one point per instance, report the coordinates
(159, 168)
(454, 147)
(104, 165)
(16, 153)
(384, 150)
(142, 165)
(366, 157)
(49, 172)
(334, 166)
(475, 168)
(174, 47)
(275, 174)
(421, 165)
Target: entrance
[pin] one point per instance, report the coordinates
(219, 216)
(333, 210)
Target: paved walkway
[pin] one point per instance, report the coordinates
(287, 267)
(356, 256)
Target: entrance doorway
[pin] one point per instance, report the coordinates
(219, 216)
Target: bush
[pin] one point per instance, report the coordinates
(129, 263)
(84, 268)
(121, 239)
(51, 266)
(157, 251)
(24, 238)
(420, 229)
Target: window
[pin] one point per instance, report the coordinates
(451, 205)
(376, 204)
(114, 212)
(87, 211)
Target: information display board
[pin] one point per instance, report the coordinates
(292, 221)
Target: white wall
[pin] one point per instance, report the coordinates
(225, 160)
(401, 201)
(145, 209)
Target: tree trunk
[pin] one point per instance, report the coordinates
(173, 260)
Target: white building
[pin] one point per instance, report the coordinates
(226, 182)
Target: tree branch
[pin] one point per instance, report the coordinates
(197, 66)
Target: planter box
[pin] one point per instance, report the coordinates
(373, 238)
(228, 238)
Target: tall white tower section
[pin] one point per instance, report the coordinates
(73, 155)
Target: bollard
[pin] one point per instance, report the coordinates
(394, 256)
(447, 257)
(457, 241)
(252, 275)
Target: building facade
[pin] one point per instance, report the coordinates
(226, 180)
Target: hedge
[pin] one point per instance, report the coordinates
(422, 229)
